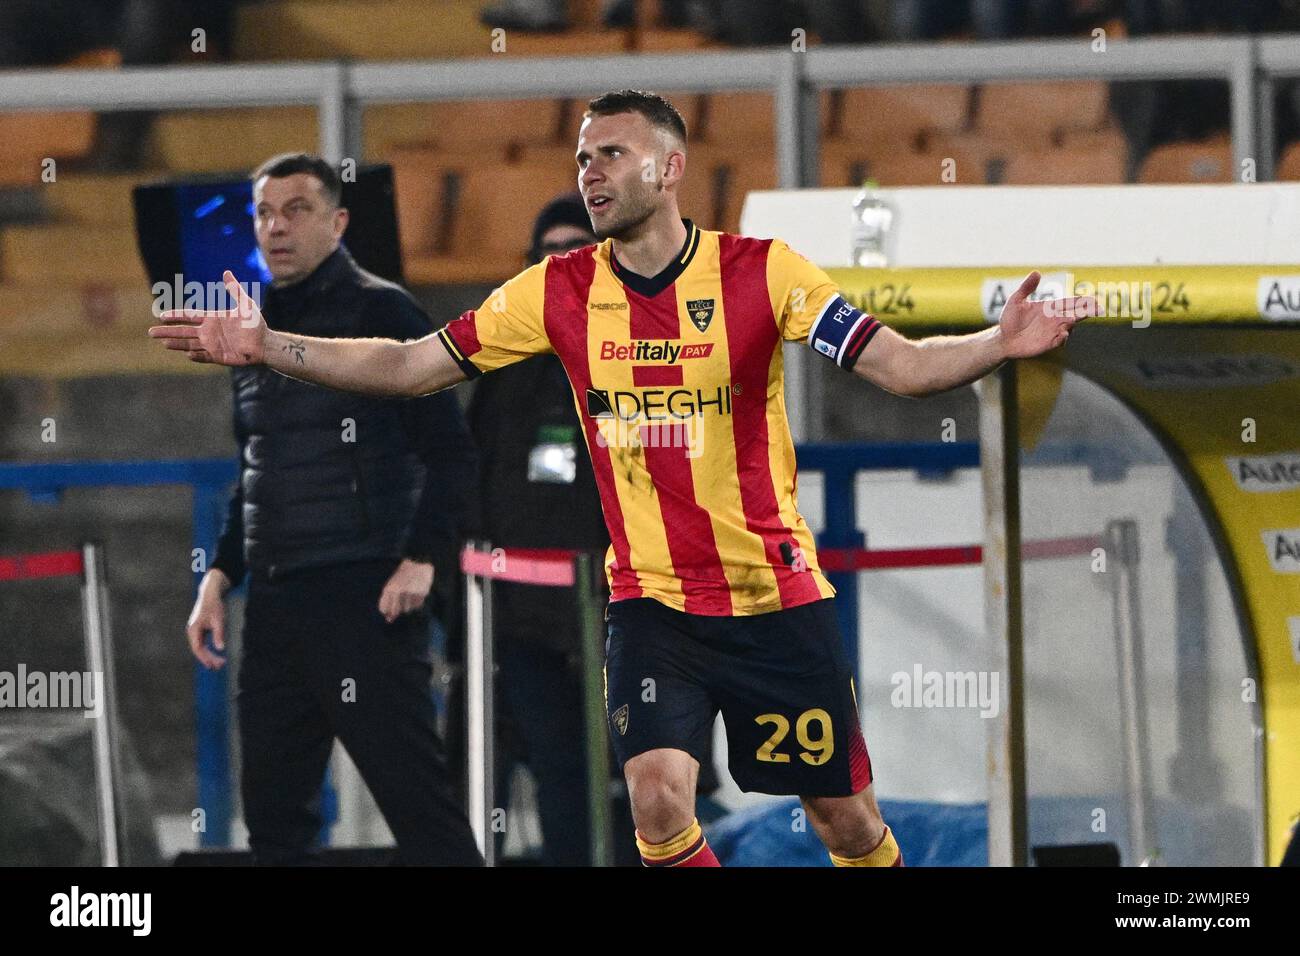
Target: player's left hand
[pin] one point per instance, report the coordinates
(406, 589)
(1031, 328)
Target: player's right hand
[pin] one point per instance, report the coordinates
(209, 615)
(230, 337)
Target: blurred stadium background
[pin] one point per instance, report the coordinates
(1073, 93)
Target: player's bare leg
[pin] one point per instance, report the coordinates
(661, 785)
(853, 830)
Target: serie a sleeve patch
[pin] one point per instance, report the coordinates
(841, 332)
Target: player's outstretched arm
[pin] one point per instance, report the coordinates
(935, 364)
(239, 336)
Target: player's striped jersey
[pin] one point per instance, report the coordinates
(678, 381)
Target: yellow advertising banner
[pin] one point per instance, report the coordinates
(1135, 296)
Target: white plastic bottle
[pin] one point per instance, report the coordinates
(872, 219)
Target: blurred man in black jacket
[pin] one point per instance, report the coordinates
(538, 491)
(346, 506)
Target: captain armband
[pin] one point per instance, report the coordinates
(841, 332)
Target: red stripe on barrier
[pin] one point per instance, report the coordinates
(554, 566)
(547, 567)
(53, 564)
(1059, 547)
(857, 559)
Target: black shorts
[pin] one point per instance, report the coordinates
(781, 680)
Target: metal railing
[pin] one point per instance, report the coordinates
(340, 91)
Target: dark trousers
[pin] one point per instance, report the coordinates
(540, 695)
(320, 662)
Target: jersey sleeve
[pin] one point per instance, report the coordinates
(505, 329)
(809, 308)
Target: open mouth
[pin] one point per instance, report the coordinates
(596, 203)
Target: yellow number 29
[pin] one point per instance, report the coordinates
(817, 750)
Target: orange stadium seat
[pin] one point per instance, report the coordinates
(899, 115)
(570, 43)
(490, 218)
(671, 41)
(743, 177)
(468, 222)
(28, 138)
(847, 163)
(423, 217)
(927, 169)
(717, 180)
(747, 119)
(1288, 166)
(1037, 112)
(231, 140)
(489, 127)
(1207, 161)
(699, 195)
(1054, 166)
(971, 151)
(736, 119)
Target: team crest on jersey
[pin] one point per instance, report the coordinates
(619, 718)
(701, 311)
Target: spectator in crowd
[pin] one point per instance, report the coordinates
(346, 510)
(546, 16)
(538, 491)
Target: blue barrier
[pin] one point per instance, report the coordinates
(210, 480)
(839, 465)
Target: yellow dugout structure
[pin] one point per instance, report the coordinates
(1189, 386)
(1208, 358)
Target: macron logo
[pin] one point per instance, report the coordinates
(102, 909)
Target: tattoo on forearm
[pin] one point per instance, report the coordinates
(297, 350)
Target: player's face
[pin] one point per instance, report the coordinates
(622, 165)
(296, 224)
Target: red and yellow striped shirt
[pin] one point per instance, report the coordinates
(679, 386)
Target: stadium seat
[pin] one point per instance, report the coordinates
(231, 140)
(1055, 166)
(928, 169)
(462, 222)
(1031, 113)
(40, 252)
(974, 154)
(56, 331)
(671, 41)
(741, 178)
(747, 120)
(96, 198)
(1288, 166)
(360, 30)
(28, 138)
(1207, 161)
(1107, 139)
(717, 180)
(492, 128)
(569, 43)
(899, 115)
(847, 163)
(736, 119)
